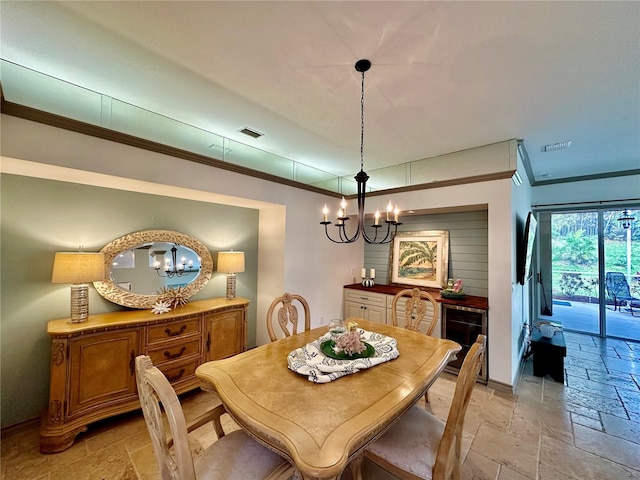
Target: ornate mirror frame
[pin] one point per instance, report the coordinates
(114, 294)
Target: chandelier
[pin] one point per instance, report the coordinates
(173, 268)
(361, 179)
(626, 219)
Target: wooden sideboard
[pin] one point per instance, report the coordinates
(92, 363)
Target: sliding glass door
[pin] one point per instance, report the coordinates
(622, 274)
(574, 270)
(589, 266)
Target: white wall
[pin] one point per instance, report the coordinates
(497, 195)
(522, 294)
(313, 266)
(588, 191)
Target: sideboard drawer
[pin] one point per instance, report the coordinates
(183, 327)
(175, 351)
(177, 372)
(370, 298)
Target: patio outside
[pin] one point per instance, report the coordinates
(583, 317)
(576, 284)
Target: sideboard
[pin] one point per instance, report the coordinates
(92, 363)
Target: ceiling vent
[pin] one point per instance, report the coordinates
(557, 146)
(251, 132)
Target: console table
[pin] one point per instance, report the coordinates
(92, 363)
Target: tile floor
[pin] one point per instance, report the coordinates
(588, 428)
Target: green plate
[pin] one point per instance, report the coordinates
(452, 295)
(327, 349)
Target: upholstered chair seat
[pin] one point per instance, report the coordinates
(236, 456)
(412, 443)
(421, 446)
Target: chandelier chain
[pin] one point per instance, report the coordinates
(362, 125)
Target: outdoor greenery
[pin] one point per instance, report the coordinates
(575, 252)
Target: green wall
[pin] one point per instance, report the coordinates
(40, 217)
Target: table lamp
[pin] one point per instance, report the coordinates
(231, 263)
(78, 268)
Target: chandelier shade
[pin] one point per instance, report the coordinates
(392, 214)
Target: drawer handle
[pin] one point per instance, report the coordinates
(170, 355)
(174, 334)
(178, 376)
(364, 298)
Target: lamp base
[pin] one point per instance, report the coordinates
(231, 286)
(79, 303)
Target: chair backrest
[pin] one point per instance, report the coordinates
(420, 306)
(448, 454)
(287, 315)
(617, 286)
(154, 389)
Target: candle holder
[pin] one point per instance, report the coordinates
(368, 282)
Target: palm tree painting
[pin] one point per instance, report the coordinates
(420, 258)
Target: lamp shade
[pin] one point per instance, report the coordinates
(78, 267)
(231, 262)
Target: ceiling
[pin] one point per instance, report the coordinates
(445, 76)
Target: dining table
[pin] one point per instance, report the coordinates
(321, 427)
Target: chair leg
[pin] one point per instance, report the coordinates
(356, 467)
(426, 396)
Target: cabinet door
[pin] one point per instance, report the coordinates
(225, 334)
(353, 310)
(102, 370)
(376, 314)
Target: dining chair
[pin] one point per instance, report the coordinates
(414, 311)
(420, 445)
(233, 456)
(287, 315)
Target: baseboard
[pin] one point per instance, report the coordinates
(501, 387)
(20, 427)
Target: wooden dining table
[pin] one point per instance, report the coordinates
(320, 428)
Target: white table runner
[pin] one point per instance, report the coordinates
(319, 368)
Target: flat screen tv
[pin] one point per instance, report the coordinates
(525, 253)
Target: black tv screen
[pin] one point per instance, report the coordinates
(525, 253)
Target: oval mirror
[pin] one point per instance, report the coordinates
(139, 265)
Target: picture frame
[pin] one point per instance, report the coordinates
(420, 258)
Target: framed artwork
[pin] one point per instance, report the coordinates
(420, 258)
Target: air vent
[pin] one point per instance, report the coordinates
(251, 132)
(557, 146)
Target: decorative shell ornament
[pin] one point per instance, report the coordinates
(161, 306)
(177, 297)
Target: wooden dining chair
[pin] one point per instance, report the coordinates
(287, 315)
(421, 446)
(419, 307)
(233, 456)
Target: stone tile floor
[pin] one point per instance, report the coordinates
(588, 428)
